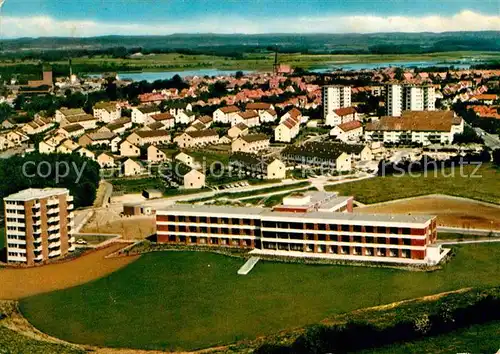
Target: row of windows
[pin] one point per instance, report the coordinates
(16, 237)
(210, 220)
(15, 245)
(16, 254)
(209, 240)
(204, 230)
(339, 238)
(337, 227)
(343, 250)
(289, 225)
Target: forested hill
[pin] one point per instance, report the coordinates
(404, 43)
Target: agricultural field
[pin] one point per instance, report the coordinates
(264, 61)
(450, 212)
(381, 189)
(188, 300)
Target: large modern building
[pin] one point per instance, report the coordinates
(38, 225)
(335, 97)
(437, 127)
(310, 225)
(402, 98)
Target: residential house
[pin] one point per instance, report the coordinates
(186, 159)
(132, 167)
(87, 121)
(96, 139)
(107, 111)
(115, 142)
(141, 115)
(177, 107)
(5, 143)
(118, 126)
(17, 137)
(71, 130)
(66, 112)
(330, 156)
(85, 153)
(156, 154)
(128, 149)
(287, 130)
(252, 143)
(106, 160)
(166, 119)
(340, 116)
(188, 177)
(154, 137)
(249, 118)
(268, 116)
(293, 113)
(205, 120)
(225, 114)
(257, 166)
(195, 127)
(350, 131)
(185, 117)
(237, 130)
(197, 138)
(37, 126)
(49, 145)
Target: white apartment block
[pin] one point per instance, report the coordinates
(400, 98)
(39, 224)
(335, 97)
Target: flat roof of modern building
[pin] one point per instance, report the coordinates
(218, 210)
(333, 217)
(355, 217)
(35, 193)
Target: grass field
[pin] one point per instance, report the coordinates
(475, 339)
(183, 300)
(13, 342)
(264, 61)
(380, 189)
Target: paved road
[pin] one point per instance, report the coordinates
(490, 140)
(479, 232)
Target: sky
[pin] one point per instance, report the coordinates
(82, 18)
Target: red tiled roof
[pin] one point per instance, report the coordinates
(348, 126)
(341, 112)
(230, 109)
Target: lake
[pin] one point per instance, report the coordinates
(403, 64)
(151, 76)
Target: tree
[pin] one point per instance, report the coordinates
(5, 111)
(469, 136)
(239, 74)
(496, 157)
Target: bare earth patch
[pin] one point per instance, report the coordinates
(22, 282)
(450, 211)
(131, 228)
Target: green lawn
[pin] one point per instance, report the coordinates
(475, 339)
(381, 189)
(188, 300)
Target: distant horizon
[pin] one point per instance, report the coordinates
(91, 18)
(247, 34)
